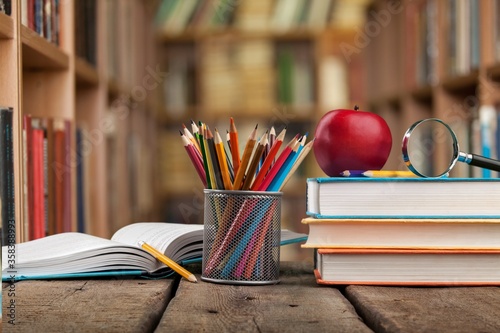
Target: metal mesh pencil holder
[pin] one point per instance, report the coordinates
(242, 233)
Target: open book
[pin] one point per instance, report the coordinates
(73, 254)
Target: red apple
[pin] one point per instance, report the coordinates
(351, 140)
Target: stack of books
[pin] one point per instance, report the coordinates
(404, 231)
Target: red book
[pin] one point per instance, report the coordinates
(38, 216)
(31, 14)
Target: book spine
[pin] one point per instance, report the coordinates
(7, 198)
(29, 172)
(38, 225)
(6, 6)
(80, 183)
(57, 171)
(67, 177)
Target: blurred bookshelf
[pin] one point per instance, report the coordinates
(73, 129)
(272, 63)
(437, 59)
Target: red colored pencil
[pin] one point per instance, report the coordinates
(277, 166)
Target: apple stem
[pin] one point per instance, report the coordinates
(356, 108)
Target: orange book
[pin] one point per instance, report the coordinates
(408, 267)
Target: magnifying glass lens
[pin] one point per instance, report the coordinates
(428, 140)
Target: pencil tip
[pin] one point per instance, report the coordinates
(256, 126)
(192, 278)
(183, 125)
(180, 132)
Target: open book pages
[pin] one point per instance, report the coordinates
(77, 253)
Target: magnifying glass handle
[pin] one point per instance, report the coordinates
(483, 162)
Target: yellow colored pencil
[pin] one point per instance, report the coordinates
(221, 156)
(169, 262)
(377, 173)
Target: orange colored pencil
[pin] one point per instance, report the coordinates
(235, 148)
(247, 153)
(268, 161)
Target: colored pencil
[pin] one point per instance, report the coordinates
(268, 161)
(191, 151)
(298, 162)
(255, 162)
(215, 161)
(210, 166)
(235, 148)
(204, 157)
(285, 168)
(377, 173)
(228, 159)
(221, 156)
(276, 166)
(238, 178)
(169, 262)
(191, 138)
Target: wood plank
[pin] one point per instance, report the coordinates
(6, 26)
(391, 309)
(86, 74)
(40, 53)
(296, 304)
(100, 305)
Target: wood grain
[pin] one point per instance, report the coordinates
(6, 26)
(391, 309)
(296, 304)
(102, 305)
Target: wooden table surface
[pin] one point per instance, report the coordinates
(296, 304)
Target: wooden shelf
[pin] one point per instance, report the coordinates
(192, 35)
(85, 73)
(493, 72)
(116, 88)
(460, 83)
(40, 53)
(423, 93)
(6, 26)
(390, 99)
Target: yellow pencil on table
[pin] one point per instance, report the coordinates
(169, 262)
(377, 173)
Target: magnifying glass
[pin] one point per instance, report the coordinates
(431, 137)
